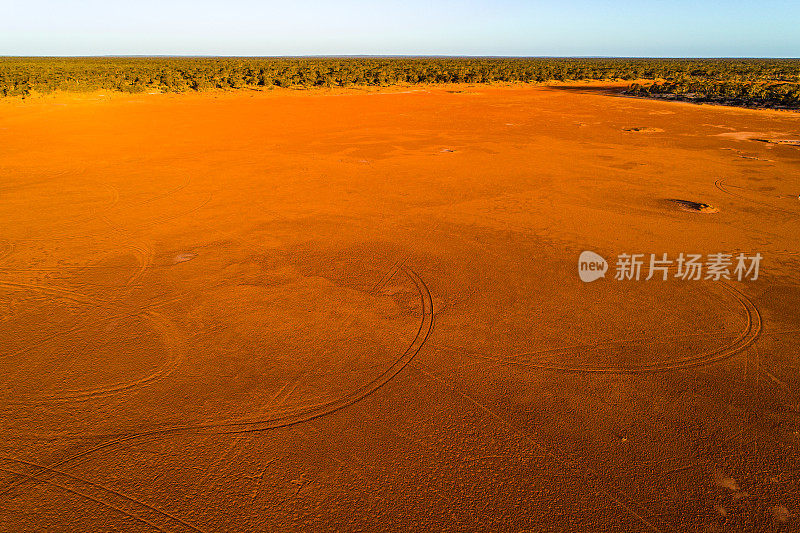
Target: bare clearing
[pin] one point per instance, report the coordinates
(251, 312)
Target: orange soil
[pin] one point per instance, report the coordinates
(361, 310)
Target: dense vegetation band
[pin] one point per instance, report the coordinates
(753, 82)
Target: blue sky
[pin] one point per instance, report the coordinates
(701, 28)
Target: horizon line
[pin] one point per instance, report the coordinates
(386, 56)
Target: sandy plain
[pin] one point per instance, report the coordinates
(361, 311)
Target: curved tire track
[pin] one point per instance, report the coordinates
(93, 213)
(720, 184)
(176, 354)
(82, 488)
(744, 340)
(172, 338)
(286, 418)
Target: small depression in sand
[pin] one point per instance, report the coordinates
(692, 206)
(771, 137)
(183, 257)
(643, 129)
(780, 142)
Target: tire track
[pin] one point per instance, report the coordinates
(72, 296)
(567, 462)
(138, 313)
(389, 275)
(64, 294)
(661, 339)
(114, 200)
(6, 249)
(142, 252)
(175, 348)
(68, 482)
(90, 498)
(146, 257)
(720, 184)
(112, 196)
(165, 194)
(158, 219)
(744, 340)
(167, 218)
(102, 213)
(286, 418)
(172, 339)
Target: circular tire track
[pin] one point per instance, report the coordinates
(744, 340)
(172, 339)
(157, 220)
(284, 418)
(143, 253)
(108, 198)
(107, 208)
(720, 184)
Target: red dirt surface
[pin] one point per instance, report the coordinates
(361, 311)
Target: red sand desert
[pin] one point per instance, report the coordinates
(359, 310)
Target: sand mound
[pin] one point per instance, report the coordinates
(694, 207)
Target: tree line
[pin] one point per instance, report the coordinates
(20, 76)
(749, 93)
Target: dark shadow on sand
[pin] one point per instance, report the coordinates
(610, 91)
